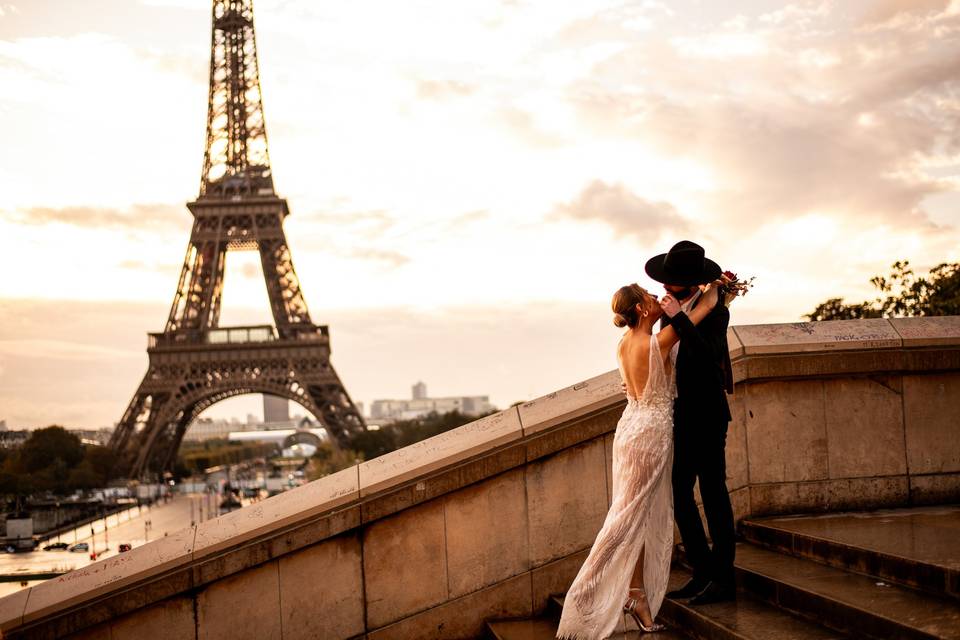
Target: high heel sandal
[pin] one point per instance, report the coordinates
(630, 607)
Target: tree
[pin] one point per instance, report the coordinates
(906, 294)
(45, 446)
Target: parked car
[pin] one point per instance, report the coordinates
(125, 546)
(80, 547)
(57, 546)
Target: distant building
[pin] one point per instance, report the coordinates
(421, 405)
(275, 409)
(209, 428)
(420, 391)
(99, 437)
(13, 439)
(3, 425)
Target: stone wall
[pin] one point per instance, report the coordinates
(487, 520)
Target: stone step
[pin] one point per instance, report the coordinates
(545, 628)
(855, 604)
(918, 547)
(746, 619)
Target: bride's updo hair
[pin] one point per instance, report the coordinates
(624, 305)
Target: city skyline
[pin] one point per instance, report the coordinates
(469, 183)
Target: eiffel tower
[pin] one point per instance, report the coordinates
(194, 362)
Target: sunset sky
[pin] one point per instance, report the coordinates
(469, 181)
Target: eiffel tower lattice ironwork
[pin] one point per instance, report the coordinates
(194, 362)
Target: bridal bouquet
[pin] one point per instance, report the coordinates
(733, 286)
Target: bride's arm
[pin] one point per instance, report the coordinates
(669, 335)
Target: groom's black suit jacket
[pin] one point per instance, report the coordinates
(704, 373)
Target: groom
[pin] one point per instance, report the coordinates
(700, 417)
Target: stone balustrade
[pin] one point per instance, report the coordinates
(487, 520)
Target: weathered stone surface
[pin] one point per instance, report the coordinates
(277, 512)
(817, 336)
(442, 450)
(172, 619)
(110, 574)
(245, 605)
(566, 501)
(577, 400)
(940, 488)
(97, 632)
(786, 433)
(855, 493)
(579, 430)
(11, 609)
(486, 532)
(828, 495)
(928, 330)
(864, 420)
(405, 564)
(555, 577)
(441, 483)
(736, 446)
(104, 609)
(336, 609)
(733, 343)
(931, 406)
(740, 501)
(464, 617)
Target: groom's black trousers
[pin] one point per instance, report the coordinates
(698, 453)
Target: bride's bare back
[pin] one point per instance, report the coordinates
(633, 356)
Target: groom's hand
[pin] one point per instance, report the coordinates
(670, 305)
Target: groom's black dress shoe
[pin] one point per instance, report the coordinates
(715, 592)
(693, 587)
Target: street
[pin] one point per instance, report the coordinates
(128, 527)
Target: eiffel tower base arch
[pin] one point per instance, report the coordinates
(183, 380)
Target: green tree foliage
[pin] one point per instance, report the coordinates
(45, 446)
(902, 293)
(54, 460)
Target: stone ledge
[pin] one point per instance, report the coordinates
(928, 331)
(831, 335)
(278, 512)
(569, 403)
(442, 450)
(111, 574)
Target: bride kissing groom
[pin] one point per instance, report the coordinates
(671, 434)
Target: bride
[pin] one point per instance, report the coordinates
(629, 565)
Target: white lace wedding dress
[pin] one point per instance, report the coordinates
(640, 515)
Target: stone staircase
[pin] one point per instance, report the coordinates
(890, 574)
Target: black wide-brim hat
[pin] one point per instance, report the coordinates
(684, 265)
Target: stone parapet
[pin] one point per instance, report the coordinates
(487, 520)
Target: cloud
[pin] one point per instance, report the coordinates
(624, 211)
(525, 126)
(167, 217)
(391, 258)
(443, 89)
(372, 223)
(844, 129)
(61, 350)
(895, 13)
